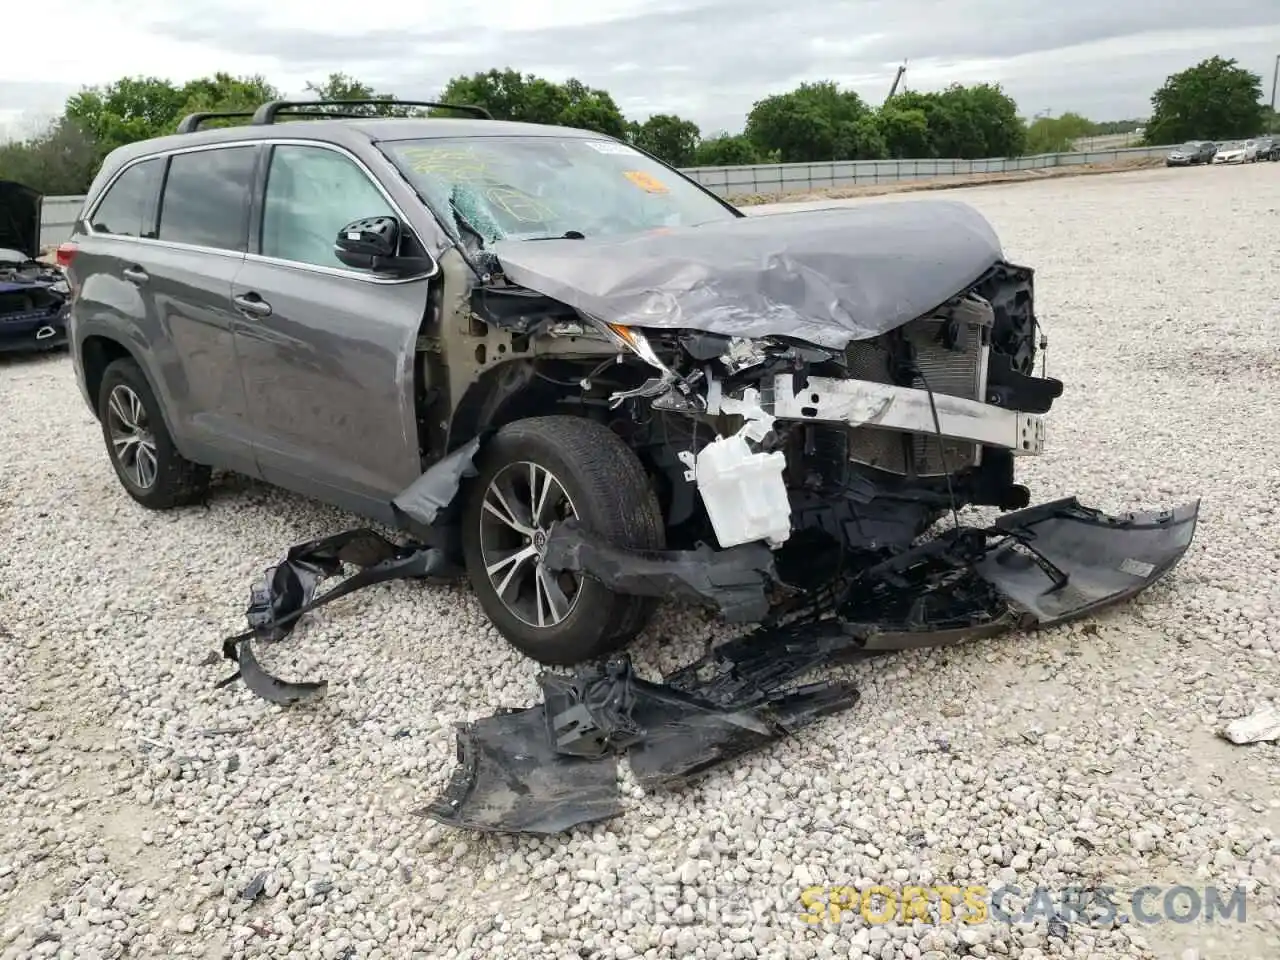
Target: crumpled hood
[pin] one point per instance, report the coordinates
(825, 277)
(20, 218)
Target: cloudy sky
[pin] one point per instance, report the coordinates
(704, 59)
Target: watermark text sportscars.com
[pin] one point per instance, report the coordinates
(1093, 906)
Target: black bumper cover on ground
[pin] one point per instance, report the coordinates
(550, 767)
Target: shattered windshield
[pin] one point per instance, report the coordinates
(521, 188)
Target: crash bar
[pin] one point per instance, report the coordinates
(863, 403)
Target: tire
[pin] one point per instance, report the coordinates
(124, 398)
(610, 494)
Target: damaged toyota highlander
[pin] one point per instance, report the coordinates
(560, 365)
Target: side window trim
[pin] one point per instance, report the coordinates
(254, 220)
(150, 211)
(246, 216)
(257, 207)
(258, 200)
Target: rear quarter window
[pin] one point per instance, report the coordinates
(206, 198)
(128, 207)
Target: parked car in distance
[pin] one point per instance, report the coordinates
(34, 297)
(1236, 151)
(1191, 153)
(341, 304)
(1268, 148)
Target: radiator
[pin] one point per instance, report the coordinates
(957, 370)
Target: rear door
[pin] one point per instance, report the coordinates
(202, 235)
(326, 351)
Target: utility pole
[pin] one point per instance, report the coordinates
(1275, 75)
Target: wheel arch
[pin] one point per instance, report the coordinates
(503, 394)
(97, 352)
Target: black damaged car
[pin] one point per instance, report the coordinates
(34, 296)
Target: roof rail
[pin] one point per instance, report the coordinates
(191, 122)
(267, 113)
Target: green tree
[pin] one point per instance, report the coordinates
(138, 108)
(994, 114)
(591, 109)
(1057, 134)
(341, 86)
(726, 150)
(131, 109)
(905, 131)
(968, 123)
(222, 91)
(814, 122)
(667, 137)
(59, 161)
(1214, 100)
(860, 139)
(511, 95)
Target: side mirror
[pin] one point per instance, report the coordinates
(373, 243)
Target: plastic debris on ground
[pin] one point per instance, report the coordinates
(548, 768)
(287, 591)
(552, 767)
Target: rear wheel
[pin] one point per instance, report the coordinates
(531, 474)
(139, 445)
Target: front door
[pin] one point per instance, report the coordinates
(326, 351)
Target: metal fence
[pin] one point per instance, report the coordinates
(779, 178)
(773, 178)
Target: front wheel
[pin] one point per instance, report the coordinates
(533, 473)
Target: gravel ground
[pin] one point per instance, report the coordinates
(139, 801)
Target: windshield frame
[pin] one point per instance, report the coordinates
(449, 218)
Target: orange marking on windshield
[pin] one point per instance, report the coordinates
(645, 182)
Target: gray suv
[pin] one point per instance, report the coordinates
(539, 330)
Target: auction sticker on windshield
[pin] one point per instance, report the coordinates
(605, 146)
(645, 182)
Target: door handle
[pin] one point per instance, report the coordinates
(252, 305)
(135, 274)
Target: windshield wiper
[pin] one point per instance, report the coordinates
(567, 235)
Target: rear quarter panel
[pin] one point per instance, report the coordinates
(107, 305)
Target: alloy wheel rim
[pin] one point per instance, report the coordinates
(132, 442)
(520, 503)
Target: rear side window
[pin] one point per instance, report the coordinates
(312, 193)
(128, 207)
(206, 198)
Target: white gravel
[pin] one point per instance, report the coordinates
(138, 801)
